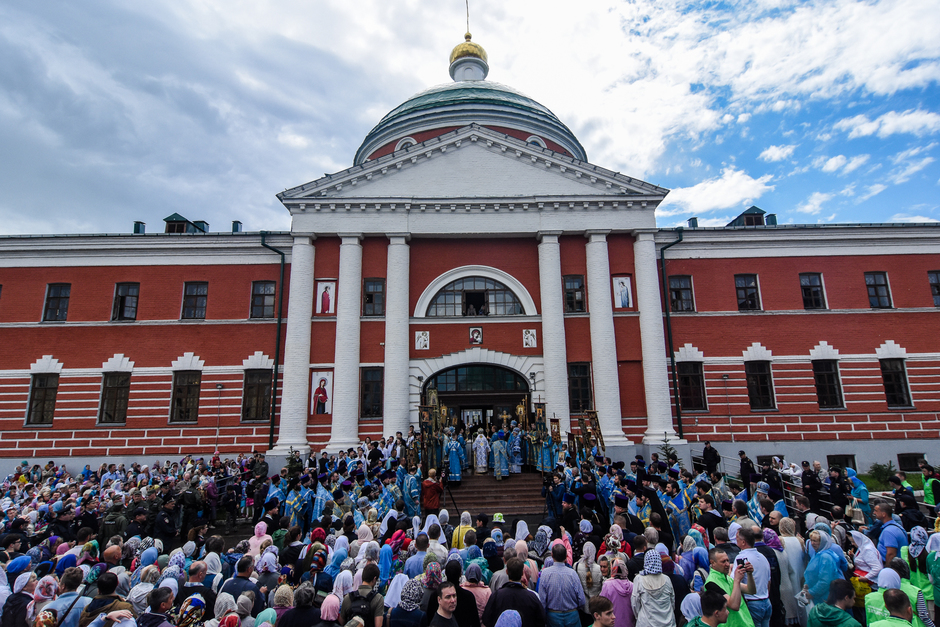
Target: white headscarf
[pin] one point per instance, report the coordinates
(213, 563)
(588, 553)
(342, 542)
(415, 526)
(431, 520)
(21, 581)
(867, 558)
(384, 526)
(522, 531)
(343, 584)
(393, 596)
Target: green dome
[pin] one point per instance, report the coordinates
(464, 102)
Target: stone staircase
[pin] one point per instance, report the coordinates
(518, 496)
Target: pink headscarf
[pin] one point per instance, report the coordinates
(329, 610)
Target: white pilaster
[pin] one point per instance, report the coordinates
(397, 346)
(344, 431)
(652, 339)
(295, 394)
(553, 330)
(603, 341)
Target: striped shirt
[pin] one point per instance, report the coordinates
(560, 589)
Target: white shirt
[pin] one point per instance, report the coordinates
(761, 573)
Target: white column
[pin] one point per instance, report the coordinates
(553, 330)
(396, 415)
(295, 394)
(652, 339)
(603, 341)
(344, 431)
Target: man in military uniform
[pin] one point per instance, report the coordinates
(138, 524)
(164, 527)
(191, 502)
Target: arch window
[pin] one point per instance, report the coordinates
(474, 296)
(478, 378)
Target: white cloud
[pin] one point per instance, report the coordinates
(913, 121)
(909, 162)
(814, 204)
(903, 217)
(855, 163)
(734, 188)
(872, 190)
(776, 153)
(833, 164)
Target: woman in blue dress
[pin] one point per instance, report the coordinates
(515, 448)
(548, 455)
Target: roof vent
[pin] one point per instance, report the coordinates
(693, 223)
(139, 227)
(236, 226)
(770, 219)
(201, 225)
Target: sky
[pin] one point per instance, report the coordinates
(111, 112)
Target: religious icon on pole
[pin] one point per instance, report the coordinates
(556, 430)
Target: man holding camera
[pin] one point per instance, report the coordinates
(733, 587)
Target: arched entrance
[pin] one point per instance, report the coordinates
(478, 394)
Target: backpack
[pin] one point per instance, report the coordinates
(362, 607)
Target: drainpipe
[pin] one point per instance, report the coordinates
(672, 353)
(277, 336)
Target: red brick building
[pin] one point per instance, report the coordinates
(471, 249)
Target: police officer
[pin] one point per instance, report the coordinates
(165, 525)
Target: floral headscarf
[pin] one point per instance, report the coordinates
(45, 590)
(192, 611)
(918, 542)
(95, 572)
(284, 596)
(411, 595)
(432, 576)
(539, 544)
(772, 540)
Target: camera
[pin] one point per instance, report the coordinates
(741, 561)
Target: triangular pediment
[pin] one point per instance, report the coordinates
(473, 162)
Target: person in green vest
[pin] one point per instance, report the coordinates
(933, 563)
(893, 578)
(922, 616)
(904, 482)
(837, 610)
(733, 587)
(714, 611)
(931, 486)
(916, 558)
(899, 609)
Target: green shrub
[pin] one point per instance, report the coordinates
(881, 472)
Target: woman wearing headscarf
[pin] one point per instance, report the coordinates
(538, 547)
(138, 594)
(475, 584)
(15, 608)
(224, 608)
(336, 563)
(530, 568)
(447, 529)
(243, 607)
(329, 612)
(214, 576)
(859, 494)
(466, 524)
(284, 599)
(385, 569)
(865, 556)
(304, 613)
(265, 617)
(43, 594)
(268, 569)
(408, 612)
(933, 568)
(619, 590)
(915, 555)
(589, 572)
(787, 591)
(509, 618)
(653, 596)
(823, 567)
(433, 575)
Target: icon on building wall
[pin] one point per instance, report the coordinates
(528, 338)
(476, 335)
(422, 340)
(326, 297)
(321, 401)
(623, 296)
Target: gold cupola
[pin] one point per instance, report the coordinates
(468, 61)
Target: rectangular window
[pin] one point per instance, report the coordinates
(579, 388)
(908, 461)
(828, 387)
(934, 279)
(691, 385)
(373, 297)
(574, 293)
(894, 376)
(125, 301)
(185, 404)
(812, 288)
(57, 302)
(748, 296)
(114, 395)
(842, 461)
(760, 384)
(680, 293)
(262, 299)
(42, 393)
(879, 296)
(256, 401)
(195, 297)
(371, 393)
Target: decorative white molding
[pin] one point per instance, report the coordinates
(405, 142)
(258, 361)
(536, 140)
(757, 352)
(689, 353)
(118, 363)
(891, 350)
(188, 361)
(528, 305)
(824, 350)
(45, 365)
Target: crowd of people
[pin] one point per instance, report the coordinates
(360, 538)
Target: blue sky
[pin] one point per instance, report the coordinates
(112, 112)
